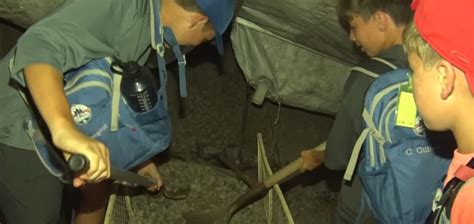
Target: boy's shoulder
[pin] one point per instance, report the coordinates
(464, 202)
(391, 58)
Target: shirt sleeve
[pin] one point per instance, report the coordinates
(71, 36)
(463, 207)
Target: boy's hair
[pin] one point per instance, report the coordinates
(413, 42)
(399, 10)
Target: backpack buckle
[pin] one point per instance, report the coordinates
(183, 60)
(160, 49)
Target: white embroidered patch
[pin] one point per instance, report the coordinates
(81, 113)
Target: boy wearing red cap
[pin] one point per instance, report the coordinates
(440, 51)
(73, 35)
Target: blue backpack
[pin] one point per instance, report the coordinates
(100, 111)
(401, 167)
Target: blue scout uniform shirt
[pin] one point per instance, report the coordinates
(76, 33)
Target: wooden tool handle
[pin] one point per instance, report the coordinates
(283, 173)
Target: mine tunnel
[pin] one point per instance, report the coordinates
(280, 80)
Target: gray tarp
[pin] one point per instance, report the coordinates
(311, 23)
(26, 12)
(294, 51)
(286, 72)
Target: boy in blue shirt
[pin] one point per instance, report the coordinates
(70, 37)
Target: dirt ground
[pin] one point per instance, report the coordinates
(218, 118)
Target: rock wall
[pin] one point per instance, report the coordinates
(8, 36)
(24, 13)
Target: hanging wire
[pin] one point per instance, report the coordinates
(275, 149)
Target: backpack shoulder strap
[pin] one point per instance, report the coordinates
(375, 93)
(465, 172)
(374, 69)
(383, 61)
(348, 174)
(364, 71)
(464, 175)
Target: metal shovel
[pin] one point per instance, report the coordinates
(224, 214)
(78, 163)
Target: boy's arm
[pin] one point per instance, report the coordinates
(64, 40)
(77, 33)
(45, 85)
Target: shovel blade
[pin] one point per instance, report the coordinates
(224, 214)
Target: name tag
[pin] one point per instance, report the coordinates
(406, 109)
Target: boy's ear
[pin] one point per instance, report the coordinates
(198, 20)
(382, 20)
(446, 78)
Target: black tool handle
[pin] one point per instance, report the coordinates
(78, 163)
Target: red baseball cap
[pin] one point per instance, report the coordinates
(448, 27)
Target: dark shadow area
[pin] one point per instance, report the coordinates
(321, 173)
(445, 142)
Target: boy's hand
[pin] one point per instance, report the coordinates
(72, 141)
(311, 159)
(149, 169)
(45, 84)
